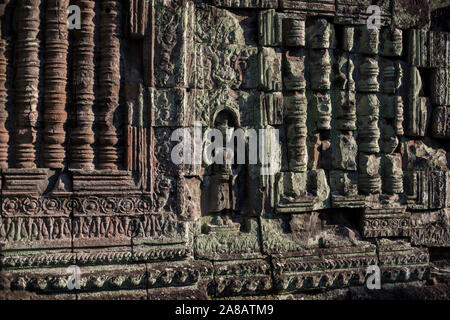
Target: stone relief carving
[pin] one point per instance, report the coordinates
(87, 118)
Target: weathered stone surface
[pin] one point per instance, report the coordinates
(82, 136)
(400, 262)
(392, 222)
(391, 42)
(356, 11)
(440, 127)
(246, 3)
(339, 155)
(439, 19)
(440, 87)
(138, 18)
(411, 14)
(430, 228)
(294, 31)
(313, 7)
(269, 69)
(269, 28)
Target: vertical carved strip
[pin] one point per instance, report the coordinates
(129, 137)
(368, 109)
(368, 115)
(55, 75)
(294, 69)
(320, 69)
(269, 28)
(294, 32)
(4, 135)
(109, 83)
(27, 81)
(344, 103)
(393, 174)
(391, 119)
(398, 117)
(82, 137)
(138, 12)
(296, 131)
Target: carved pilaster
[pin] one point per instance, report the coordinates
(368, 109)
(296, 131)
(27, 81)
(269, 25)
(4, 135)
(345, 110)
(137, 20)
(393, 174)
(55, 75)
(392, 44)
(320, 69)
(109, 83)
(368, 81)
(368, 115)
(294, 32)
(82, 137)
(294, 69)
(417, 110)
(369, 40)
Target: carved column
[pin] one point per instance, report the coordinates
(296, 105)
(391, 113)
(4, 135)
(294, 32)
(319, 41)
(109, 83)
(416, 115)
(368, 114)
(27, 81)
(344, 148)
(82, 137)
(55, 75)
(393, 174)
(319, 72)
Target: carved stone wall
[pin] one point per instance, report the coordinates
(88, 116)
